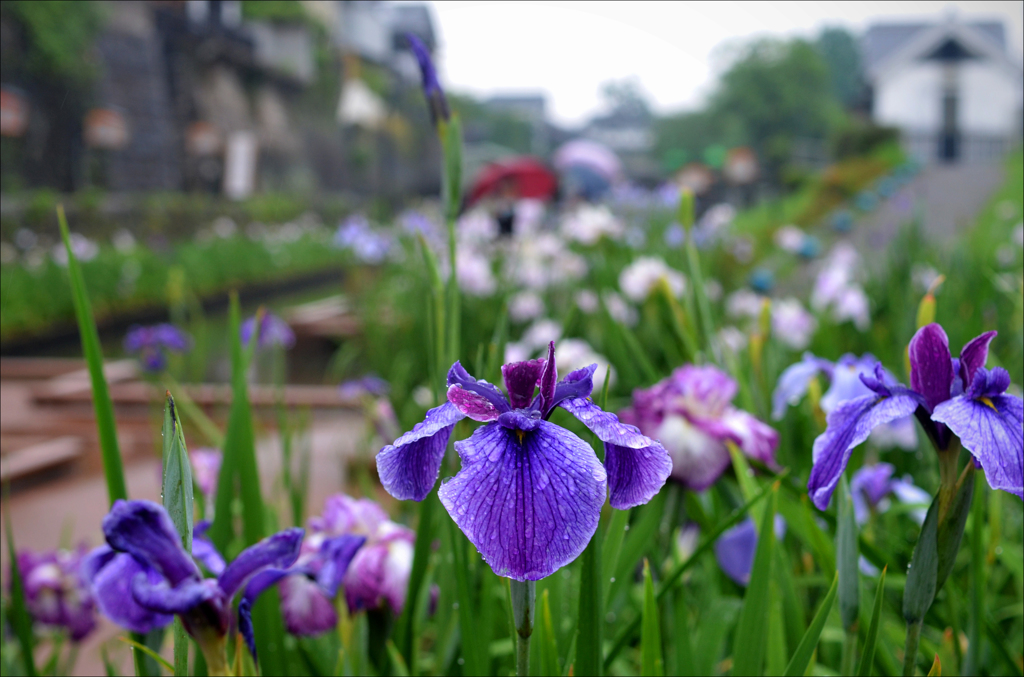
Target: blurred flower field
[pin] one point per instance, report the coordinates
(781, 418)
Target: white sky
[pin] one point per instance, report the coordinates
(568, 49)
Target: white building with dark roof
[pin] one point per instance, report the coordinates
(950, 87)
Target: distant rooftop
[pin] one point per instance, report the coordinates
(882, 40)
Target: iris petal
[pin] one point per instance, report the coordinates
(167, 600)
(529, 502)
(305, 607)
(279, 551)
(144, 529)
(993, 431)
(973, 356)
(521, 380)
(576, 384)
(849, 424)
(110, 574)
(793, 384)
(473, 405)
(931, 366)
(409, 468)
(337, 554)
(637, 465)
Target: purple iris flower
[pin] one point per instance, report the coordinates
(529, 493)
(206, 463)
(143, 577)
(951, 398)
(736, 547)
(691, 413)
(845, 384)
(55, 593)
(377, 575)
(154, 342)
(273, 332)
(431, 87)
(871, 486)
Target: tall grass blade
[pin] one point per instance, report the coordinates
(650, 632)
(548, 645)
(802, 658)
(612, 546)
(113, 468)
(676, 575)
(177, 499)
(751, 638)
(472, 651)
(406, 626)
(17, 611)
(591, 613)
(977, 593)
(138, 647)
(849, 575)
(871, 639)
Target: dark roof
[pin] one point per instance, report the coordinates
(883, 40)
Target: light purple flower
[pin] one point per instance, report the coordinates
(949, 397)
(206, 464)
(871, 486)
(691, 413)
(735, 549)
(152, 344)
(143, 577)
(377, 573)
(529, 493)
(55, 593)
(273, 332)
(845, 385)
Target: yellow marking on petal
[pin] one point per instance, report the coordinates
(520, 434)
(986, 401)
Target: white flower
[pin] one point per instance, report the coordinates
(423, 397)
(526, 305)
(744, 303)
(852, 304)
(619, 310)
(540, 333)
(516, 351)
(473, 271)
(587, 301)
(477, 226)
(790, 238)
(924, 276)
(589, 223)
(573, 353)
(224, 227)
(639, 278)
(83, 248)
(792, 324)
(732, 338)
(123, 241)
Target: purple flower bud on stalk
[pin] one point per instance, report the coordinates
(431, 87)
(871, 486)
(143, 577)
(154, 342)
(55, 593)
(951, 398)
(691, 413)
(273, 332)
(530, 492)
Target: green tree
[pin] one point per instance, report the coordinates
(838, 48)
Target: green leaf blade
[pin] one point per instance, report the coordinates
(802, 658)
(588, 640)
(650, 631)
(751, 638)
(871, 640)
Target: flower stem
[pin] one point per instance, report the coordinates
(524, 595)
(910, 657)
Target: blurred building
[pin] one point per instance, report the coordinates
(949, 87)
(215, 96)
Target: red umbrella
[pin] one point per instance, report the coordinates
(526, 176)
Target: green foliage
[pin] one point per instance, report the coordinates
(274, 10)
(59, 35)
(838, 48)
